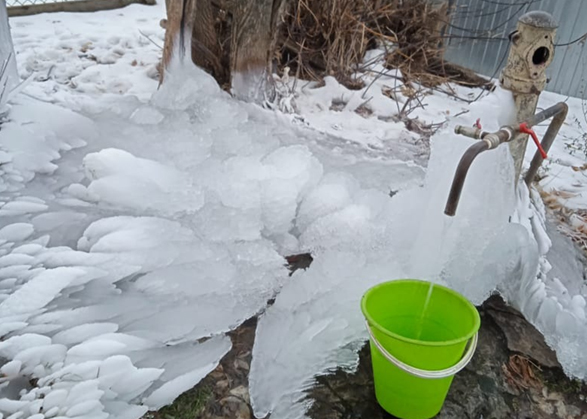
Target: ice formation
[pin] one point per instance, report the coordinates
(117, 263)
(360, 237)
(485, 248)
(556, 308)
(170, 226)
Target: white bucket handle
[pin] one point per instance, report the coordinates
(449, 372)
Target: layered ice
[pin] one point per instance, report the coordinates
(122, 271)
(555, 305)
(360, 237)
(156, 247)
(63, 325)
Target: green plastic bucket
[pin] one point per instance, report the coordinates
(416, 351)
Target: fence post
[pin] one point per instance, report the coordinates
(251, 42)
(8, 72)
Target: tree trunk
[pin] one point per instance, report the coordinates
(205, 45)
(174, 33)
(230, 39)
(8, 72)
(251, 42)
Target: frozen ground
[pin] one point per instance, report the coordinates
(133, 237)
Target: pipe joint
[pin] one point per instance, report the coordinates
(509, 133)
(492, 141)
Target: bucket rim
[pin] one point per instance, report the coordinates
(376, 325)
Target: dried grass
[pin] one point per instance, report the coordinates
(519, 373)
(571, 221)
(330, 37)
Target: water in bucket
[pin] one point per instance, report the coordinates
(424, 328)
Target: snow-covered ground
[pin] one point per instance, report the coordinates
(139, 225)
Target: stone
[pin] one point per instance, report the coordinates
(241, 392)
(499, 383)
(521, 336)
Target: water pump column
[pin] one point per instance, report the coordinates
(531, 52)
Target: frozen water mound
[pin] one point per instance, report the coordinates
(109, 327)
(179, 245)
(177, 233)
(126, 343)
(30, 146)
(555, 305)
(58, 329)
(119, 178)
(360, 237)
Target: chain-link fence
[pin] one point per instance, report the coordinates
(16, 3)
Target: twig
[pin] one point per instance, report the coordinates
(365, 102)
(460, 113)
(149, 38)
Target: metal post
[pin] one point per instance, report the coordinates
(8, 72)
(531, 52)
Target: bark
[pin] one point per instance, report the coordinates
(251, 43)
(231, 40)
(279, 9)
(205, 45)
(195, 21)
(174, 29)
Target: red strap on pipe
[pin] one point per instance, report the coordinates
(526, 130)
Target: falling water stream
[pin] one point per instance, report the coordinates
(439, 254)
(423, 316)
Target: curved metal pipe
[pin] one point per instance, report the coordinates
(461, 174)
(548, 113)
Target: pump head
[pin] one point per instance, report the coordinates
(531, 52)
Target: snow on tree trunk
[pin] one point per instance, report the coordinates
(251, 43)
(8, 73)
(190, 24)
(232, 42)
(174, 32)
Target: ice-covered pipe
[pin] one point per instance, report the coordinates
(505, 134)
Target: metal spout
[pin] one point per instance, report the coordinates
(461, 174)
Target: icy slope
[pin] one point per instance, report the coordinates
(183, 246)
(362, 237)
(175, 239)
(168, 228)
